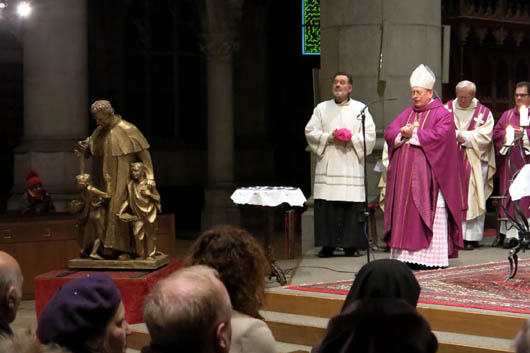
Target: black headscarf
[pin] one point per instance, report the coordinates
(384, 278)
(380, 325)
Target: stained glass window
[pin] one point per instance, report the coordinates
(311, 27)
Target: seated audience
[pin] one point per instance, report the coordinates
(189, 311)
(379, 314)
(242, 266)
(35, 199)
(522, 341)
(10, 291)
(385, 278)
(86, 315)
(379, 325)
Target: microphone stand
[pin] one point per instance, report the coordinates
(363, 218)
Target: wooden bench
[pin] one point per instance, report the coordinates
(42, 243)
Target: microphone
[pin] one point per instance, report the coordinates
(374, 101)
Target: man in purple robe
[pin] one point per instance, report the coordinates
(510, 119)
(425, 202)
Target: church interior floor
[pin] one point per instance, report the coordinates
(310, 269)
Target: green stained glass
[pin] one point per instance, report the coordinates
(311, 27)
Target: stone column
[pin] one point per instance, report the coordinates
(219, 44)
(379, 42)
(55, 97)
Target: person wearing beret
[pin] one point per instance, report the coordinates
(35, 199)
(86, 315)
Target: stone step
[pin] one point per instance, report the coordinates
(302, 319)
(306, 331)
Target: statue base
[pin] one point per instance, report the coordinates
(134, 264)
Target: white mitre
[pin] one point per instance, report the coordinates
(422, 76)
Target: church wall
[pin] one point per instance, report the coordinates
(379, 43)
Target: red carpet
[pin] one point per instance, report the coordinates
(477, 286)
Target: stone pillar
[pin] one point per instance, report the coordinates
(308, 217)
(380, 43)
(219, 44)
(55, 98)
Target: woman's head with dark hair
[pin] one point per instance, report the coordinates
(240, 261)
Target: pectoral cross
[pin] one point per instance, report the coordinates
(478, 119)
(416, 123)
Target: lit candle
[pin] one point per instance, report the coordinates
(509, 135)
(523, 113)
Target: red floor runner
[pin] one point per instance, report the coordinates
(477, 286)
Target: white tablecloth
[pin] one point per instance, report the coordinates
(268, 196)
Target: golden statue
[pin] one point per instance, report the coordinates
(91, 219)
(144, 203)
(116, 144)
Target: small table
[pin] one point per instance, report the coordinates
(270, 197)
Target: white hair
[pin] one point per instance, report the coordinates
(465, 83)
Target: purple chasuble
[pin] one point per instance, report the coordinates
(509, 117)
(415, 175)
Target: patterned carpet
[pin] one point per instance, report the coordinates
(477, 286)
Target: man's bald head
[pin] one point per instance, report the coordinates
(10, 286)
(189, 310)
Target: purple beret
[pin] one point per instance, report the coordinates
(79, 310)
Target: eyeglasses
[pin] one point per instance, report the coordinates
(342, 82)
(521, 95)
(417, 93)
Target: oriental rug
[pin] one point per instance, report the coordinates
(476, 286)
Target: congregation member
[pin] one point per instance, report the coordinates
(474, 129)
(27, 343)
(384, 278)
(510, 122)
(424, 203)
(381, 301)
(86, 315)
(189, 311)
(10, 291)
(36, 199)
(242, 266)
(378, 326)
(522, 340)
(334, 134)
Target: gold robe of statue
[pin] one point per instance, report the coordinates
(118, 146)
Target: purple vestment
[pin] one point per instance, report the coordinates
(415, 175)
(509, 117)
